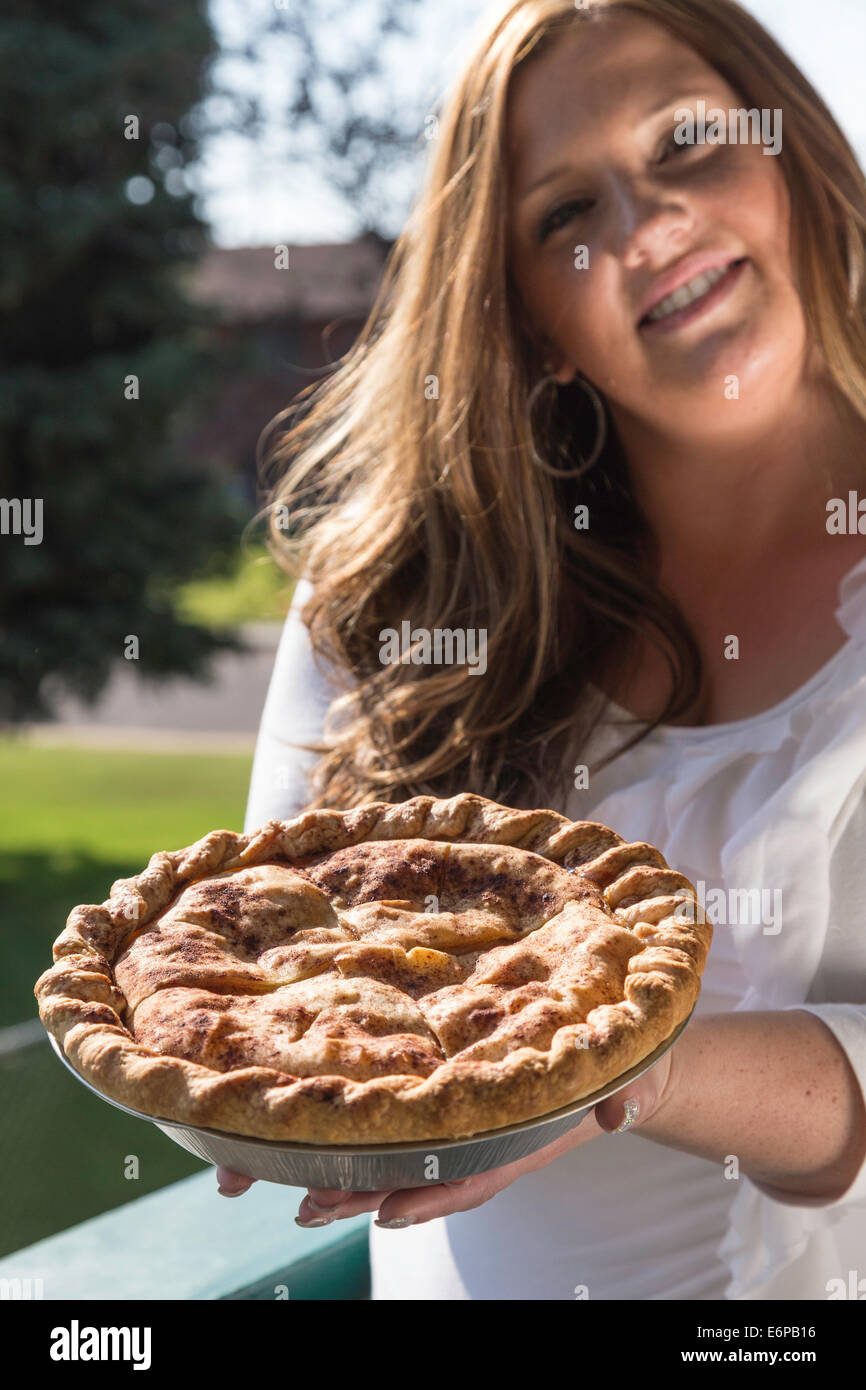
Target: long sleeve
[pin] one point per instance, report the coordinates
(841, 974)
(297, 702)
(780, 1246)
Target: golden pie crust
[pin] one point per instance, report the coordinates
(429, 969)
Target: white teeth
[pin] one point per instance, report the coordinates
(687, 294)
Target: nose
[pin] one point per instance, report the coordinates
(653, 223)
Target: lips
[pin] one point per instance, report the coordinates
(688, 282)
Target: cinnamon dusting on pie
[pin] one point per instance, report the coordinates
(429, 969)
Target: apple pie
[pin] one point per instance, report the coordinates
(429, 969)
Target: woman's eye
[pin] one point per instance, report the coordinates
(554, 220)
(672, 144)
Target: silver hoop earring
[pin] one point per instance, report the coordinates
(601, 429)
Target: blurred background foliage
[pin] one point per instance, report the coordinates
(95, 227)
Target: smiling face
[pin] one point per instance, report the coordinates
(592, 161)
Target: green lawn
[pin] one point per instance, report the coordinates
(257, 590)
(72, 821)
(114, 802)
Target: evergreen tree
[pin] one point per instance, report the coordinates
(104, 365)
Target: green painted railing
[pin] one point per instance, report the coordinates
(188, 1242)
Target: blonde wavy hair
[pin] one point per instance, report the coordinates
(423, 502)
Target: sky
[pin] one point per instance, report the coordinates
(256, 193)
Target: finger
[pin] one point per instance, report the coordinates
(231, 1184)
(414, 1205)
(632, 1105)
(318, 1213)
(327, 1198)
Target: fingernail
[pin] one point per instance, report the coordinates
(397, 1223)
(316, 1207)
(457, 1182)
(632, 1110)
(224, 1192)
(314, 1221)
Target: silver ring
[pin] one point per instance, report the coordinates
(632, 1110)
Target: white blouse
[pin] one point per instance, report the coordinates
(767, 817)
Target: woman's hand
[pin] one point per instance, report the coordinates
(414, 1205)
(773, 1088)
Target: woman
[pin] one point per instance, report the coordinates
(610, 409)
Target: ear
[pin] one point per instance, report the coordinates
(558, 365)
(553, 360)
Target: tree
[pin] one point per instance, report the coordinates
(345, 114)
(103, 362)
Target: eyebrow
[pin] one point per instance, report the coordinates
(561, 169)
